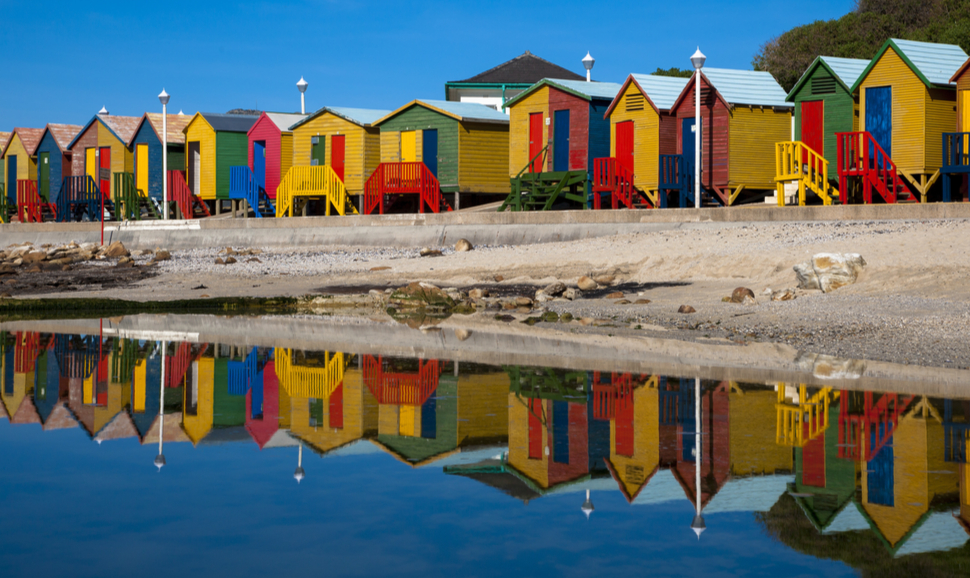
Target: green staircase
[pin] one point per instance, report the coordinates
(536, 191)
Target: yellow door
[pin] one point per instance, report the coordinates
(409, 147)
(141, 169)
(91, 163)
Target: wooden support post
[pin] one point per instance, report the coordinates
(457, 206)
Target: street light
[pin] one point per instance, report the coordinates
(163, 98)
(160, 458)
(299, 473)
(698, 523)
(588, 62)
(587, 506)
(301, 86)
(697, 60)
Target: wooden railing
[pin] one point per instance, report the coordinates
(4, 205)
(676, 175)
(180, 193)
(796, 161)
(312, 182)
(242, 185)
(799, 423)
(956, 160)
(125, 197)
(78, 195)
(864, 431)
(399, 388)
(30, 206)
(616, 179)
(611, 398)
(310, 382)
(859, 155)
(400, 179)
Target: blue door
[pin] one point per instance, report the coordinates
(429, 416)
(560, 159)
(259, 162)
(560, 431)
(429, 152)
(881, 482)
(687, 138)
(879, 116)
(12, 178)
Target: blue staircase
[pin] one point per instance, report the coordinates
(243, 374)
(243, 186)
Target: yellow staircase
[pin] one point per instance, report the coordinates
(308, 381)
(319, 182)
(801, 422)
(795, 161)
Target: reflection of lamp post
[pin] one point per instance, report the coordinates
(160, 459)
(299, 473)
(698, 524)
(587, 505)
(301, 86)
(697, 60)
(588, 62)
(163, 98)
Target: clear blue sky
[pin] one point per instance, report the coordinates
(63, 60)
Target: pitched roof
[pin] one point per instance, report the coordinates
(176, 122)
(460, 111)
(3, 411)
(934, 64)
(585, 90)
(4, 137)
(63, 134)
(845, 70)
(361, 116)
(284, 120)
(26, 413)
(119, 427)
(60, 418)
(229, 122)
(747, 87)
(29, 137)
(526, 68)
(122, 127)
(661, 91)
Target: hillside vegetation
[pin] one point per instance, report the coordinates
(860, 33)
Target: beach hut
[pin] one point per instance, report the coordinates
(557, 129)
(743, 115)
(21, 168)
(4, 137)
(54, 158)
(907, 101)
(432, 148)
(271, 148)
(100, 149)
(146, 144)
(641, 130)
(213, 144)
(956, 145)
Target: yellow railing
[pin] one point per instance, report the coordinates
(315, 181)
(796, 161)
(309, 382)
(800, 423)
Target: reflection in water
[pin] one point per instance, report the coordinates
(891, 465)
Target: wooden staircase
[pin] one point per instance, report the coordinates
(537, 191)
(861, 159)
(401, 388)
(956, 161)
(797, 162)
(131, 204)
(79, 197)
(390, 181)
(865, 430)
(676, 177)
(189, 206)
(800, 422)
(243, 186)
(310, 381)
(31, 208)
(610, 177)
(314, 182)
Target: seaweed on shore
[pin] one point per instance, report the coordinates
(19, 309)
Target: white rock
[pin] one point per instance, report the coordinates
(829, 271)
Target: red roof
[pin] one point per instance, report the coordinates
(123, 126)
(29, 137)
(60, 418)
(63, 134)
(26, 413)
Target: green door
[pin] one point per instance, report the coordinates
(44, 175)
(318, 151)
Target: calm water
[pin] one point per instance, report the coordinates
(281, 461)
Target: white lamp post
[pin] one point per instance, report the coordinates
(698, 61)
(588, 62)
(301, 86)
(698, 523)
(160, 458)
(587, 506)
(299, 473)
(163, 98)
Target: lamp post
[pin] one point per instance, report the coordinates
(301, 86)
(697, 60)
(698, 523)
(163, 98)
(588, 62)
(587, 506)
(160, 459)
(299, 473)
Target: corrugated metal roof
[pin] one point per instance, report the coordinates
(603, 90)
(468, 110)
(847, 69)
(662, 90)
(847, 520)
(361, 116)
(747, 87)
(176, 123)
(285, 120)
(753, 494)
(229, 122)
(63, 133)
(937, 62)
(941, 531)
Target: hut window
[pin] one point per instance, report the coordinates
(634, 102)
(823, 85)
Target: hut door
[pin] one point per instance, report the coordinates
(91, 163)
(429, 418)
(625, 429)
(535, 141)
(813, 125)
(560, 432)
(259, 163)
(337, 408)
(12, 177)
(141, 168)
(560, 148)
(318, 151)
(879, 116)
(44, 175)
(338, 154)
(104, 170)
(194, 167)
(535, 427)
(687, 139)
(429, 151)
(813, 462)
(881, 479)
(624, 144)
(409, 146)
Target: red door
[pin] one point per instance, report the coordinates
(337, 154)
(624, 144)
(104, 172)
(813, 125)
(813, 462)
(535, 141)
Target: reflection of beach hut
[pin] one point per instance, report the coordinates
(54, 158)
(146, 144)
(213, 144)
(956, 146)
(633, 414)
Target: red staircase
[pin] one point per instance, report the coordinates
(873, 428)
(391, 179)
(190, 205)
(26, 350)
(610, 399)
(177, 365)
(30, 205)
(611, 177)
(860, 157)
(400, 388)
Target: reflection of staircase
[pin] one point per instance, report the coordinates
(76, 356)
(176, 366)
(610, 399)
(189, 205)
(797, 162)
(611, 177)
(314, 182)
(31, 208)
(536, 191)
(956, 433)
(310, 381)
(861, 159)
(401, 388)
(863, 431)
(391, 180)
(243, 186)
(801, 421)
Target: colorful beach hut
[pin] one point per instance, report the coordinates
(20, 164)
(4, 137)
(213, 144)
(431, 148)
(270, 148)
(101, 149)
(743, 115)
(907, 101)
(956, 146)
(557, 129)
(146, 144)
(641, 130)
(54, 158)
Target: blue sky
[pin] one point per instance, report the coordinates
(63, 62)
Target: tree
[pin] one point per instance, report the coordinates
(674, 71)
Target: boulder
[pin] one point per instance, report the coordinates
(586, 284)
(738, 295)
(829, 271)
(34, 257)
(642, 301)
(230, 260)
(542, 297)
(622, 302)
(555, 290)
(462, 334)
(499, 278)
(605, 279)
(523, 302)
(615, 295)
(463, 245)
(477, 294)
(162, 255)
(219, 261)
(421, 295)
(686, 309)
(429, 252)
(115, 250)
(572, 293)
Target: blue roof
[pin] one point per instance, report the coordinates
(847, 69)
(662, 90)
(937, 62)
(467, 110)
(747, 87)
(605, 90)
